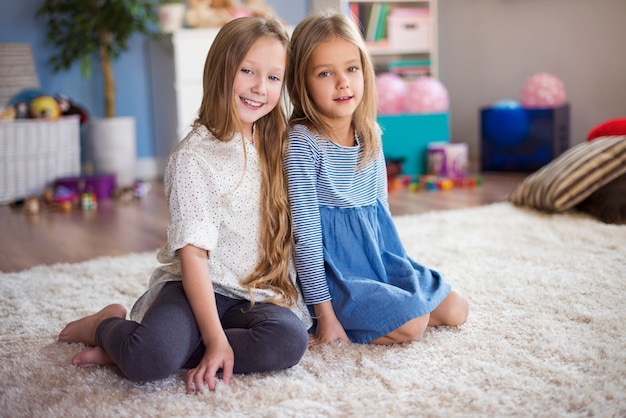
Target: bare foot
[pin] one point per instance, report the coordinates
(94, 357)
(84, 330)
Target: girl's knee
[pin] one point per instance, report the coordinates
(412, 330)
(149, 368)
(453, 311)
(459, 310)
(280, 343)
(298, 342)
(294, 341)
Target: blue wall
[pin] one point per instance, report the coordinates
(18, 24)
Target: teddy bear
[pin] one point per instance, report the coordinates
(208, 13)
(257, 8)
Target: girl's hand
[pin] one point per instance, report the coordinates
(329, 329)
(218, 355)
(328, 333)
(201, 296)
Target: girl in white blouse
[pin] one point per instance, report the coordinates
(224, 299)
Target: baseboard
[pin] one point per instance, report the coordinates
(149, 169)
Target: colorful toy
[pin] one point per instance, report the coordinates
(21, 110)
(89, 201)
(63, 198)
(32, 206)
(8, 113)
(391, 90)
(543, 90)
(45, 107)
(69, 107)
(431, 183)
(447, 159)
(25, 96)
(426, 95)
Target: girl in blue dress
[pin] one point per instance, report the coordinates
(352, 268)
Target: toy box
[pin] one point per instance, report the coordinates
(447, 160)
(409, 28)
(102, 186)
(406, 138)
(524, 140)
(33, 153)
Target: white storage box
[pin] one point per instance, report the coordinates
(33, 153)
(409, 28)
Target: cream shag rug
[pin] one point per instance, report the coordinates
(546, 335)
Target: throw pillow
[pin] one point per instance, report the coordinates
(609, 128)
(573, 176)
(608, 203)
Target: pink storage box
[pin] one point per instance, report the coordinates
(102, 186)
(447, 160)
(409, 28)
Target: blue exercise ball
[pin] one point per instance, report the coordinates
(506, 124)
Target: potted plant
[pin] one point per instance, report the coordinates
(80, 30)
(171, 15)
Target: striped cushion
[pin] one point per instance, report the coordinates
(573, 176)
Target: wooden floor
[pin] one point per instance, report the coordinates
(117, 228)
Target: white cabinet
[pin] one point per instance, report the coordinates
(176, 72)
(414, 53)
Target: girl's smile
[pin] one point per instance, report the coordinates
(259, 81)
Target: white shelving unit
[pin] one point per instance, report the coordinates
(381, 52)
(176, 72)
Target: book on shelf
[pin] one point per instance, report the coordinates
(410, 67)
(371, 18)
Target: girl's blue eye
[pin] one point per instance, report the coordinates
(246, 71)
(353, 69)
(324, 74)
(274, 78)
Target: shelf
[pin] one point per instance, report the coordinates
(381, 51)
(382, 48)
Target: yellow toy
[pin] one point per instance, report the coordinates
(45, 107)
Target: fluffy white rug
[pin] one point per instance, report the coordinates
(546, 335)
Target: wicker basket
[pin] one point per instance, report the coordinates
(34, 153)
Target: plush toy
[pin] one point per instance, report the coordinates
(8, 113)
(25, 96)
(208, 13)
(69, 107)
(21, 110)
(257, 8)
(45, 107)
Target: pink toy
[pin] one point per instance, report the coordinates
(543, 90)
(448, 160)
(391, 90)
(426, 95)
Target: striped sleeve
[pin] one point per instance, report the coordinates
(300, 169)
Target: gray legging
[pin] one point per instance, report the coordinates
(267, 338)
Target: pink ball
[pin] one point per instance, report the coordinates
(543, 90)
(426, 95)
(391, 90)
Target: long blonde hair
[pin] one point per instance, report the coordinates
(218, 113)
(309, 33)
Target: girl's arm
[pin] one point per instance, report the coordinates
(199, 291)
(300, 168)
